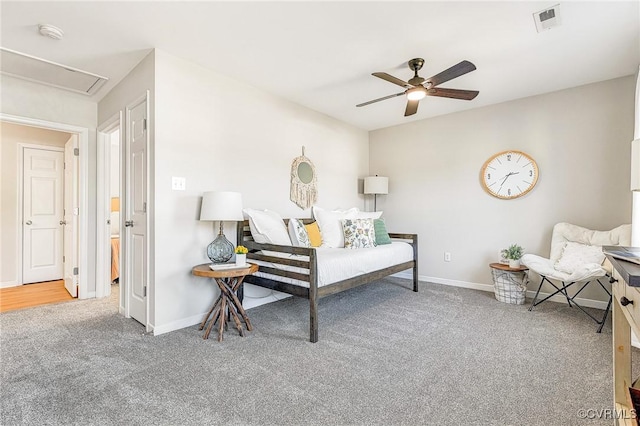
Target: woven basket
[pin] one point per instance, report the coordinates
(510, 287)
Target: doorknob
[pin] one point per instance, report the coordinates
(28, 222)
(63, 222)
(128, 223)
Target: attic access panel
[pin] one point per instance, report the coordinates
(30, 68)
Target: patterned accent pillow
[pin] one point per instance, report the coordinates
(298, 233)
(359, 233)
(382, 236)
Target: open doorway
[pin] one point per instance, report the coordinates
(41, 223)
(109, 282)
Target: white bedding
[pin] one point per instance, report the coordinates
(337, 264)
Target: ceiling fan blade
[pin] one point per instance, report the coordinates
(450, 73)
(392, 79)
(412, 108)
(380, 99)
(466, 95)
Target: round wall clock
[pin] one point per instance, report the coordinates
(509, 174)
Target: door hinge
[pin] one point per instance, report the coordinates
(75, 271)
(144, 124)
(144, 291)
(63, 258)
(64, 166)
(76, 151)
(144, 207)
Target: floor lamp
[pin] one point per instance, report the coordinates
(376, 185)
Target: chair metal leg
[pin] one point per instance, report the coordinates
(600, 322)
(562, 290)
(533, 303)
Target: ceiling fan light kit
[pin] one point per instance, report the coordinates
(416, 93)
(417, 87)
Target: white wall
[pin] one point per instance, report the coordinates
(221, 134)
(11, 135)
(33, 100)
(580, 138)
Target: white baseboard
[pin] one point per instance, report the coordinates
(177, 325)
(6, 284)
(247, 303)
(589, 303)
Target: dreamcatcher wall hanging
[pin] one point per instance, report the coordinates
(304, 190)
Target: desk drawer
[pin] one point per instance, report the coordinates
(632, 309)
(619, 286)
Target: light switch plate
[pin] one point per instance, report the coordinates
(178, 183)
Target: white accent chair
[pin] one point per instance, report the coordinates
(574, 268)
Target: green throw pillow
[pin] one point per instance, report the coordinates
(382, 236)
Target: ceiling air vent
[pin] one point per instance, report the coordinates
(30, 68)
(547, 18)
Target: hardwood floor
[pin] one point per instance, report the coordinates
(26, 296)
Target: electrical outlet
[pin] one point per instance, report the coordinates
(447, 256)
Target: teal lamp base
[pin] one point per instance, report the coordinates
(221, 249)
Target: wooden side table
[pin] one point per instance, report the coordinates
(510, 284)
(227, 305)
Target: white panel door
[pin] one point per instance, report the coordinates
(70, 221)
(43, 175)
(136, 211)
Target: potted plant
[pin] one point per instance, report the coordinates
(241, 255)
(514, 252)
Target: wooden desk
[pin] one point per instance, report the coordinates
(227, 305)
(626, 317)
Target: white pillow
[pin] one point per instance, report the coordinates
(575, 255)
(298, 233)
(330, 224)
(368, 215)
(267, 227)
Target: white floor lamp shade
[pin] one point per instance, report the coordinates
(221, 206)
(376, 185)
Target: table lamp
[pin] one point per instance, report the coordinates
(376, 185)
(221, 206)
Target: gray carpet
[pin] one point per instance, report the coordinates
(386, 356)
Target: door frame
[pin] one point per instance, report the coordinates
(83, 194)
(103, 252)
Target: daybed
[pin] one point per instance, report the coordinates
(311, 273)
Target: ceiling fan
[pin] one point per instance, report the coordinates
(418, 87)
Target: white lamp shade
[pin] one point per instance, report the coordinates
(376, 185)
(220, 205)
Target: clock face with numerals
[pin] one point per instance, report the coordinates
(509, 174)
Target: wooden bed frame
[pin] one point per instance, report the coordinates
(313, 293)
